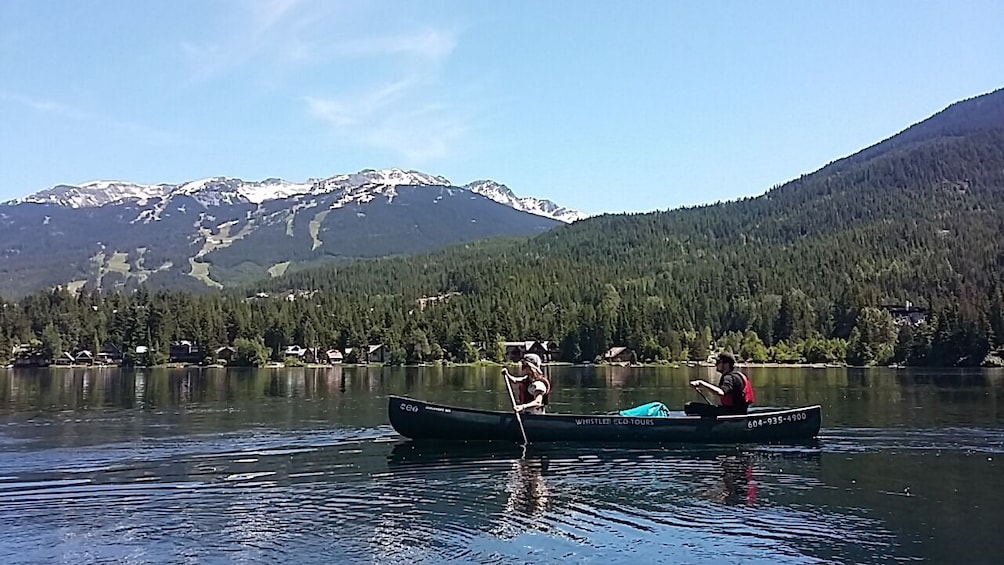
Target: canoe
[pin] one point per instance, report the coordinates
(421, 420)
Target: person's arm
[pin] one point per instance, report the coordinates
(538, 390)
(513, 378)
(699, 384)
(537, 401)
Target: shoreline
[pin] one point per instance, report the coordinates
(278, 365)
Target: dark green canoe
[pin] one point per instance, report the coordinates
(420, 420)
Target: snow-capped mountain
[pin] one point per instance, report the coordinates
(362, 186)
(220, 231)
(500, 193)
(97, 193)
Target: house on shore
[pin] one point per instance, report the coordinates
(109, 355)
(185, 351)
(515, 350)
(26, 355)
(619, 354)
(84, 357)
(225, 354)
(65, 358)
(906, 313)
(374, 354)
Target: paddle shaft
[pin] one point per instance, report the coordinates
(701, 392)
(512, 397)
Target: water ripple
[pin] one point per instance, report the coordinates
(360, 494)
(893, 440)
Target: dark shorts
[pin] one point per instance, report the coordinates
(705, 409)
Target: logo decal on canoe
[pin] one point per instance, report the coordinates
(405, 407)
(614, 421)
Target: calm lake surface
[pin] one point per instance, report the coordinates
(301, 466)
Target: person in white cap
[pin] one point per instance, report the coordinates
(534, 387)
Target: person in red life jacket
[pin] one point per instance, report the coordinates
(533, 387)
(734, 390)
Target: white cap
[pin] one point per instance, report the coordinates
(533, 360)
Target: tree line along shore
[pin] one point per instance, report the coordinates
(167, 328)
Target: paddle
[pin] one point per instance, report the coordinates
(700, 392)
(702, 396)
(512, 397)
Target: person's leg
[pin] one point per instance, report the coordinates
(700, 409)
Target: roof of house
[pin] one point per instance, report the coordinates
(615, 351)
(527, 344)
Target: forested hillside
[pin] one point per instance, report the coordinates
(802, 272)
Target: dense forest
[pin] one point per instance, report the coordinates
(805, 272)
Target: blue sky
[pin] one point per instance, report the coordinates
(601, 106)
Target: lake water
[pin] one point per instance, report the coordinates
(301, 466)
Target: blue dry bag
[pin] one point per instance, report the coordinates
(650, 410)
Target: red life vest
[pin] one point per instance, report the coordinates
(747, 395)
(524, 389)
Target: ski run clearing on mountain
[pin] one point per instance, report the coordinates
(358, 187)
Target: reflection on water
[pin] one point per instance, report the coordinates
(527, 489)
(301, 466)
(666, 504)
(737, 485)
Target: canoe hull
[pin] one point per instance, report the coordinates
(421, 420)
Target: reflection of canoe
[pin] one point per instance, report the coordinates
(438, 454)
(421, 420)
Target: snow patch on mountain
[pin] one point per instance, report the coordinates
(503, 195)
(360, 187)
(96, 193)
(378, 178)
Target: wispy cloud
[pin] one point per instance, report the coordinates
(409, 109)
(75, 114)
(45, 106)
(419, 135)
(391, 92)
(267, 14)
(429, 44)
(359, 108)
(263, 33)
(409, 117)
(272, 36)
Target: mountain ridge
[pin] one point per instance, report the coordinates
(217, 191)
(217, 232)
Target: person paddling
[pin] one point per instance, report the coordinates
(734, 390)
(534, 388)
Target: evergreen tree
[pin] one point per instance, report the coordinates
(249, 353)
(51, 343)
